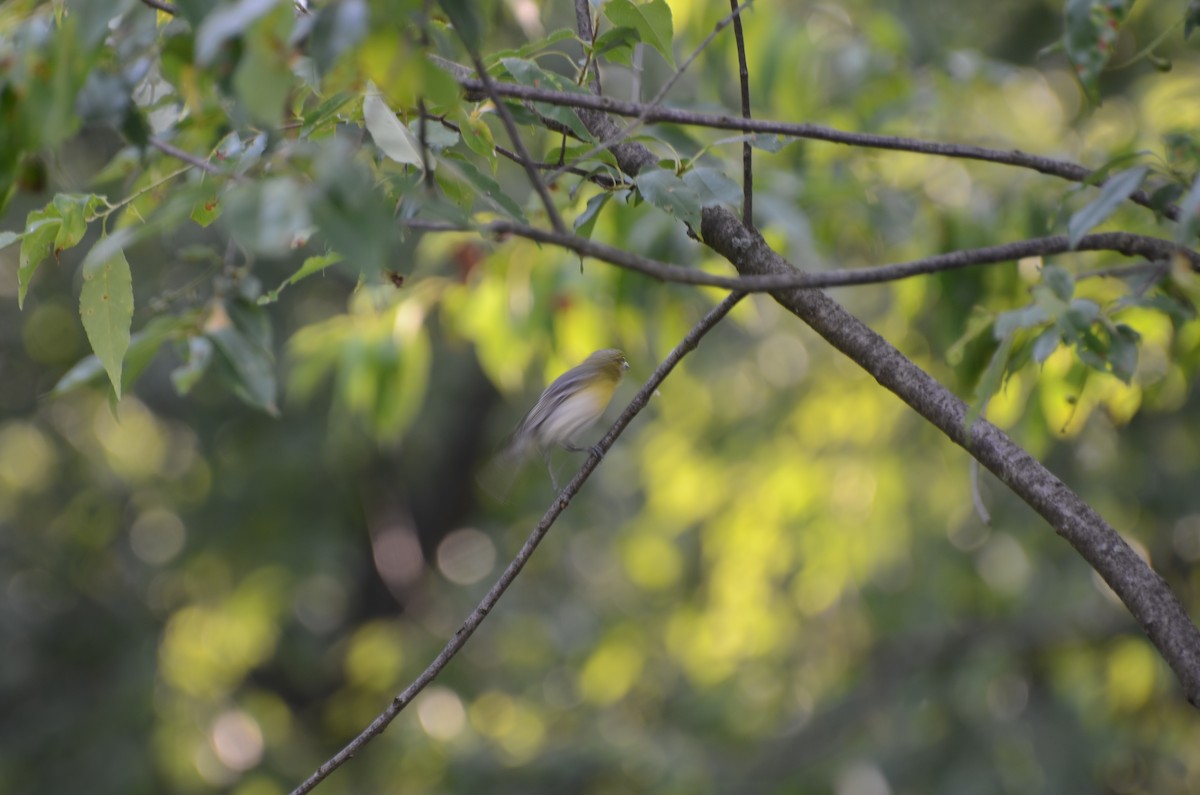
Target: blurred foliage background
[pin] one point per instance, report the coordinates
(776, 582)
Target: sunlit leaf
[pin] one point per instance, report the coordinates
(392, 137)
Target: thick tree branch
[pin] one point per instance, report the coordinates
(1122, 242)
(1142, 590)
(455, 644)
(591, 106)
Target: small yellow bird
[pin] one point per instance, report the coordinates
(570, 405)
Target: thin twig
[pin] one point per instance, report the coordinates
(602, 179)
(186, 157)
(1122, 242)
(489, 86)
(747, 151)
(477, 616)
(654, 115)
(162, 5)
(640, 121)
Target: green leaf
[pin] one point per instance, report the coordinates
(478, 138)
(249, 364)
(267, 217)
(669, 193)
(1123, 353)
(392, 137)
(487, 188)
(41, 228)
(106, 307)
(437, 137)
(198, 355)
(713, 187)
(1189, 216)
(142, 347)
(1116, 189)
(206, 209)
(585, 222)
(264, 77)
(617, 44)
(1007, 323)
(227, 22)
(338, 27)
(1089, 37)
(1191, 19)
(311, 265)
(991, 380)
(530, 74)
(73, 209)
(1046, 344)
(1059, 280)
(464, 16)
(651, 20)
(352, 213)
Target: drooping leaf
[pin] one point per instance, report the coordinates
(197, 356)
(713, 187)
(617, 44)
(142, 347)
(464, 16)
(652, 21)
(1116, 189)
(585, 222)
(487, 188)
(249, 365)
(668, 192)
(226, 22)
(106, 307)
(338, 27)
(41, 228)
(1189, 216)
(352, 213)
(1059, 280)
(1123, 352)
(392, 137)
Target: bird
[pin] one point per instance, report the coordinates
(571, 404)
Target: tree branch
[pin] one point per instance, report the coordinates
(1139, 587)
(1143, 591)
(455, 644)
(620, 135)
(747, 150)
(162, 5)
(1122, 242)
(186, 157)
(592, 105)
(489, 87)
